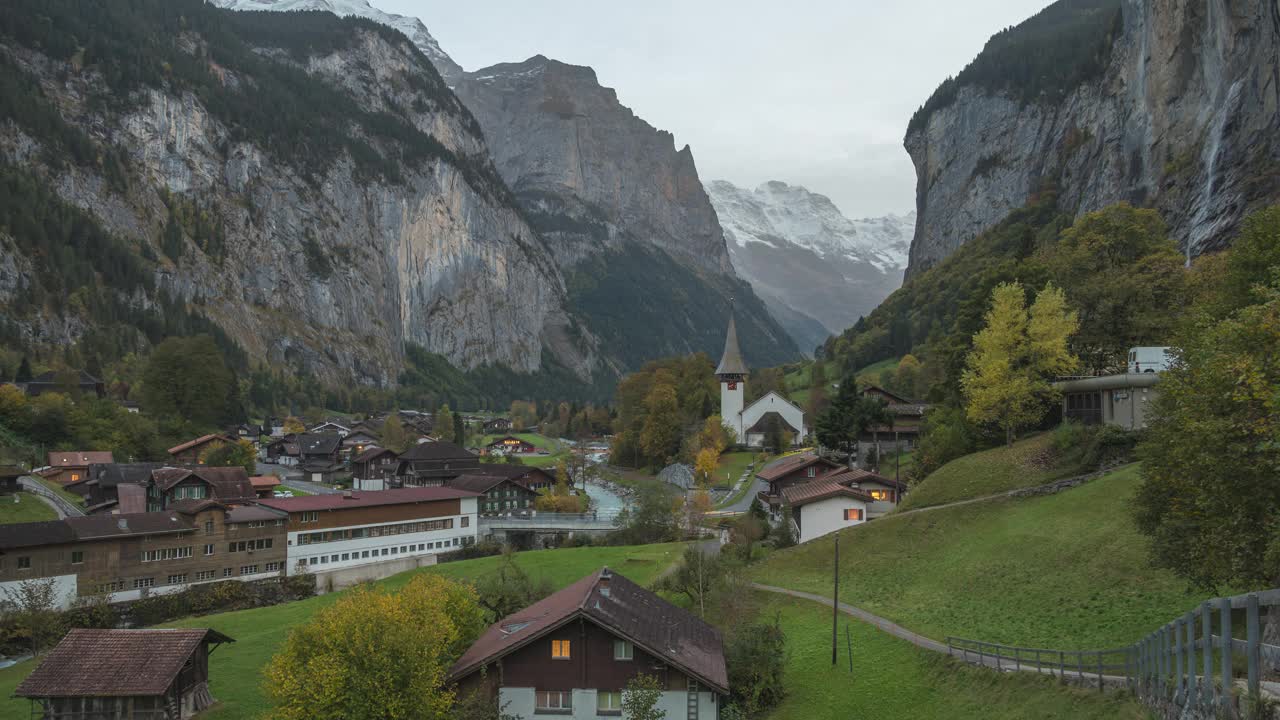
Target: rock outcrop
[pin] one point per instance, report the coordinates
(804, 257)
(1184, 118)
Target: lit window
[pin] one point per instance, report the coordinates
(554, 700)
(560, 649)
(623, 650)
(609, 702)
(853, 514)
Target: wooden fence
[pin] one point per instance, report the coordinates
(1203, 660)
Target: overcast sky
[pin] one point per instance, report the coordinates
(811, 92)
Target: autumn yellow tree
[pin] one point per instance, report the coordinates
(442, 425)
(293, 426)
(660, 434)
(704, 467)
(376, 655)
(1006, 381)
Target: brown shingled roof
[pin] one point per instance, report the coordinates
(230, 484)
(200, 441)
(856, 475)
(79, 458)
(790, 464)
(822, 489)
(115, 663)
(661, 629)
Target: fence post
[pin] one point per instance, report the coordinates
(1192, 682)
(982, 661)
(1180, 692)
(1062, 665)
(1099, 658)
(1080, 667)
(1166, 656)
(1228, 672)
(1017, 659)
(999, 652)
(1207, 698)
(1254, 650)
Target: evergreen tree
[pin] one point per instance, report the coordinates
(459, 429)
(849, 416)
(24, 371)
(443, 426)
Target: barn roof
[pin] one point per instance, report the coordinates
(115, 663)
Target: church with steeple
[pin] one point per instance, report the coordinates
(750, 424)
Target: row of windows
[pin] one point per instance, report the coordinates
(166, 554)
(505, 505)
(561, 701)
(247, 545)
(622, 650)
(208, 525)
(379, 531)
(385, 552)
(181, 578)
(502, 493)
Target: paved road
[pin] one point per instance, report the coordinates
(744, 504)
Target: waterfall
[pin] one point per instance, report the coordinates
(1221, 105)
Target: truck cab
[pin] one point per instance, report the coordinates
(1148, 359)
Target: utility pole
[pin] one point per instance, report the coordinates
(835, 605)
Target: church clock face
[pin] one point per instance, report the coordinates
(733, 385)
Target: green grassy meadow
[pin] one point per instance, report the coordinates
(29, 508)
(1066, 571)
(236, 670)
(1026, 464)
(731, 466)
(55, 487)
(893, 680)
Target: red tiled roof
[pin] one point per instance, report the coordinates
(340, 501)
(791, 463)
(79, 458)
(665, 631)
(198, 442)
(115, 663)
(822, 489)
(855, 475)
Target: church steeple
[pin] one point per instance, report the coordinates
(731, 363)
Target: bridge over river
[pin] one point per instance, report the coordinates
(529, 527)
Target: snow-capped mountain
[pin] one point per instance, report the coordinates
(797, 249)
(411, 27)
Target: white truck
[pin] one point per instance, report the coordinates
(1148, 359)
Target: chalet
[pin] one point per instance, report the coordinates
(264, 486)
(499, 494)
(64, 382)
(227, 485)
(534, 478)
(793, 470)
(357, 441)
(320, 456)
(885, 493)
(824, 506)
(192, 452)
(133, 555)
(510, 445)
(493, 426)
(9, 476)
(338, 531)
(101, 486)
(68, 467)
(124, 674)
(1123, 400)
(432, 463)
(574, 652)
(329, 427)
(284, 450)
(903, 431)
(373, 468)
(244, 431)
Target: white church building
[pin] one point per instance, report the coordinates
(750, 424)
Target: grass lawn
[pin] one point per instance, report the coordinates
(1066, 571)
(236, 669)
(893, 680)
(902, 465)
(987, 473)
(731, 467)
(870, 375)
(29, 508)
(68, 496)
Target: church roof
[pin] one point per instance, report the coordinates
(731, 363)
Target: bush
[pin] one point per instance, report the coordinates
(484, 548)
(756, 656)
(1093, 447)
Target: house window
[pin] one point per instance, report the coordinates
(623, 650)
(226, 572)
(853, 514)
(609, 703)
(177, 579)
(881, 495)
(554, 700)
(346, 556)
(139, 583)
(560, 649)
(274, 567)
(248, 569)
(466, 521)
(75, 477)
(24, 562)
(203, 575)
(208, 549)
(310, 517)
(77, 557)
(208, 527)
(280, 523)
(812, 471)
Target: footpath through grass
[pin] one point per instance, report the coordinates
(731, 466)
(236, 670)
(893, 680)
(29, 508)
(1066, 571)
(60, 491)
(1027, 463)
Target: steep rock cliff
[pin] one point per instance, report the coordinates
(319, 243)
(1182, 116)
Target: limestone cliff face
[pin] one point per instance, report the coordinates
(1184, 119)
(330, 274)
(587, 167)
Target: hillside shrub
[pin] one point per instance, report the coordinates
(756, 657)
